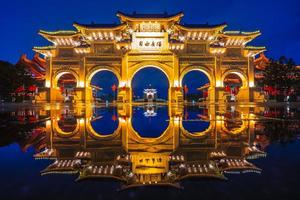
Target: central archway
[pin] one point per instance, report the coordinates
(150, 121)
(150, 83)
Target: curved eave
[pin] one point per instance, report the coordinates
(123, 17)
(212, 27)
(254, 50)
(257, 155)
(58, 33)
(213, 176)
(59, 171)
(99, 176)
(44, 157)
(51, 36)
(253, 34)
(46, 51)
(44, 48)
(92, 27)
(241, 168)
(41, 156)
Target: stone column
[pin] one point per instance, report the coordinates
(217, 90)
(124, 91)
(251, 79)
(175, 92)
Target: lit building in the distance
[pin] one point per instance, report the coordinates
(150, 95)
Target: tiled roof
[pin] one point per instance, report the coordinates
(150, 15)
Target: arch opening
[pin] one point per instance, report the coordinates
(232, 83)
(66, 124)
(67, 83)
(104, 84)
(150, 84)
(195, 84)
(150, 121)
(235, 126)
(104, 121)
(196, 119)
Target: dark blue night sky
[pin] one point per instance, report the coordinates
(279, 21)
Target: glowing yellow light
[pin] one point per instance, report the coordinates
(122, 83)
(48, 122)
(176, 120)
(81, 84)
(251, 84)
(251, 116)
(181, 38)
(218, 83)
(47, 84)
(176, 83)
(81, 121)
(122, 120)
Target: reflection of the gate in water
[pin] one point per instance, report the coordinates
(104, 121)
(150, 120)
(177, 153)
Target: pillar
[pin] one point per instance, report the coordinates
(124, 91)
(48, 79)
(217, 90)
(251, 80)
(175, 90)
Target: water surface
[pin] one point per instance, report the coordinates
(149, 151)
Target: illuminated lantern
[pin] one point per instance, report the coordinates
(114, 87)
(114, 118)
(186, 115)
(20, 89)
(227, 88)
(185, 89)
(32, 88)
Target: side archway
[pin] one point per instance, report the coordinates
(96, 86)
(237, 72)
(58, 74)
(97, 69)
(197, 83)
(96, 135)
(202, 69)
(61, 132)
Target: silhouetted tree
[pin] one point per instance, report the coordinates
(12, 77)
(282, 75)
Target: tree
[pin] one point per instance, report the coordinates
(281, 75)
(12, 77)
(7, 77)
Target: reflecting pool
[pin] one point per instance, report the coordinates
(63, 151)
